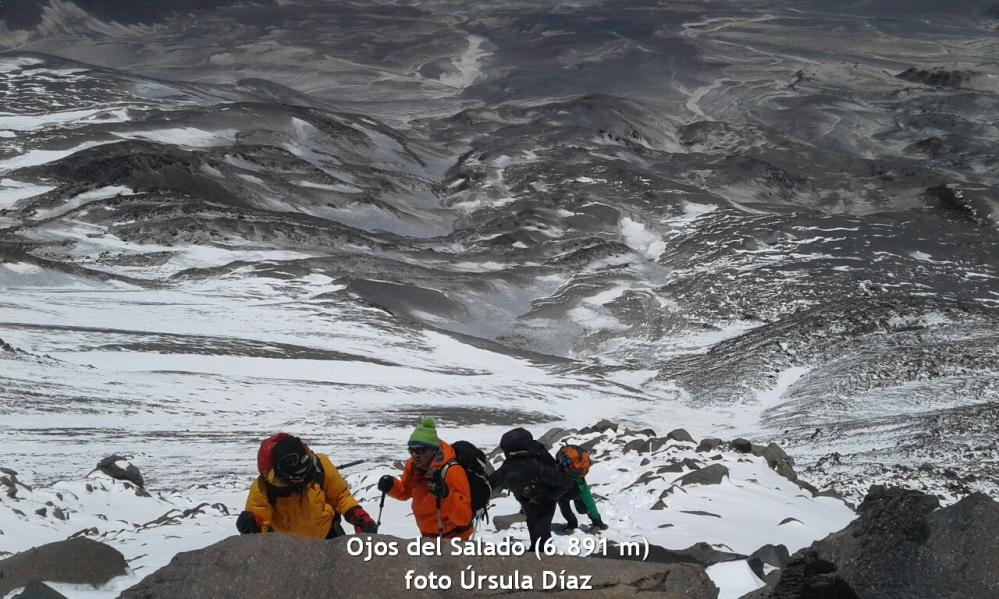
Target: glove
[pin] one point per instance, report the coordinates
(598, 523)
(247, 524)
(437, 487)
(361, 520)
(386, 483)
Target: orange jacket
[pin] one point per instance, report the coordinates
(309, 513)
(455, 509)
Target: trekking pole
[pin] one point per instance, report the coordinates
(440, 523)
(349, 464)
(381, 506)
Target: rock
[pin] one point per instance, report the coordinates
(8, 471)
(59, 514)
(711, 475)
(698, 553)
(119, 468)
(936, 77)
(902, 545)
(639, 445)
(645, 432)
(505, 522)
(300, 567)
(39, 590)
(589, 445)
(700, 513)
(42, 511)
(691, 464)
(604, 425)
(550, 438)
(742, 445)
(788, 521)
(676, 467)
(76, 561)
(772, 555)
(680, 435)
(708, 444)
(807, 577)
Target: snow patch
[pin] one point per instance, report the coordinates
(637, 237)
(12, 191)
(468, 65)
(191, 137)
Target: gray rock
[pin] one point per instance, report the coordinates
(589, 445)
(742, 445)
(680, 435)
(645, 432)
(39, 590)
(901, 545)
(77, 561)
(553, 436)
(708, 444)
(605, 425)
(702, 554)
(674, 467)
(505, 522)
(276, 565)
(112, 468)
(711, 475)
(771, 555)
(639, 445)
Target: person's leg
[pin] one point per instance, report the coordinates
(539, 522)
(565, 506)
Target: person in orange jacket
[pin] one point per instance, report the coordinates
(437, 484)
(299, 492)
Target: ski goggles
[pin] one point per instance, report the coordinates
(293, 467)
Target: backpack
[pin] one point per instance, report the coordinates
(473, 461)
(573, 459)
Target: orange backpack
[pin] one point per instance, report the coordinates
(573, 459)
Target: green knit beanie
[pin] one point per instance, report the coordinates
(425, 434)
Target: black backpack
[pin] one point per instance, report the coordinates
(473, 461)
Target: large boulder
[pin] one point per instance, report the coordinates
(553, 436)
(680, 434)
(118, 467)
(708, 444)
(741, 445)
(710, 475)
(76, 561)
(902, 545)
(276, 565)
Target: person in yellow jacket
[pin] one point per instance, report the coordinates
(299, 492)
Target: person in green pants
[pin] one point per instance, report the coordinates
(580, 495)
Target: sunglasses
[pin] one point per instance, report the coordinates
(417, 450)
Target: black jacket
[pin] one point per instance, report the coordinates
(531, 473)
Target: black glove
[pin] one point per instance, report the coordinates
(437, 487)
(598, 523)
(246, 524)
(386, 483)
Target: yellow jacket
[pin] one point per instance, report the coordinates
(308, 513)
